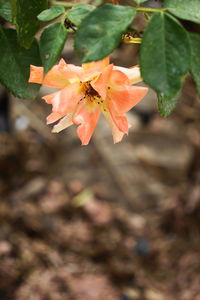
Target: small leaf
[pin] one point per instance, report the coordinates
(165, 55)
(101, 31)
(167, 104)
(78, 12)
(5, 10)
(15, 64)
(51, 13)
(51, 44)
(195, 61)
(25, 16)
(184, 9)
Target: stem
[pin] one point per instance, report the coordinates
(149, 9)
(62, 3)
(131, 40)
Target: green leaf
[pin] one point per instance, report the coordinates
(140, 1)
(184, 9)
(27, 24)
(165, 55)
(15, 64)
(5, 10)
(167, 104)
(195, 60)
(51, 13)
(78, 12)
(101, 31)
(51, 44)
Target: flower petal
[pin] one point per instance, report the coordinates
(87, 120)
(36, 74)
(133, 73)
(66, 99)
(117, 134)
(71, 72)
(118, 78)
(63, 123)
(100, 64)
(101, 83)
(53, 117)
(123, 100)
(54, 78)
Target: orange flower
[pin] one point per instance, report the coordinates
(85, 92)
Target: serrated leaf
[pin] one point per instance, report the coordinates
(51, 44)
(184, 9)
(51, 13)
(165, 55)
(5, 10)
(25, 16)
(78, 12)
(15, 64)
(195, 60)
(167, 104)
(101, 31)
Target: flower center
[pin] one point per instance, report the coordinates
(91, 96)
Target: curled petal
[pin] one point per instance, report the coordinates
(36, 74)
(87, 120)
(54, 78)
(123, 100)
(63, 123)
(53, 117)
(117, 134)
(133, 73)
(101, 83)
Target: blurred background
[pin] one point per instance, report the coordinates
(101, 222)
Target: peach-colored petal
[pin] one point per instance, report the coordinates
(132, 73)
(120, 121)
(118, 78)
(63, 123)
(66, 99)
(117, 134)
(71, 72)
(36, 74)
(54, 78)
(48, 98)
(101, 83)
(100, 64)
(53, 117)
(123, 100)
(87, 120)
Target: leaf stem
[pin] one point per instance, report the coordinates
(150, 9)
(62, 3)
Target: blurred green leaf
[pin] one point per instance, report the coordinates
(195, 60)
(25, 16)
(51, 13)
(167, 104)
(51, 44)
(6, 10)
(140, 1)
(165, 57)
(15, 64)
(184, 9)
(78, 12)
(101, 31)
